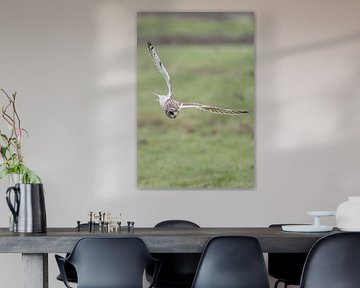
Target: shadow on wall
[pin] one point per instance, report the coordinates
(312, 131)
(310, 47)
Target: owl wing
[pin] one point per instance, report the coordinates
(212, 109)
(159, 66)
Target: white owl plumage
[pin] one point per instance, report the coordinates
(171, 106)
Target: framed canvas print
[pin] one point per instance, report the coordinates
(195, 100)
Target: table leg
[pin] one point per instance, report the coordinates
(35, 270)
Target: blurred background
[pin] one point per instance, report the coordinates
(210, 59)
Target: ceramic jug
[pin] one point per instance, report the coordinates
(27, 207)
(348, 214)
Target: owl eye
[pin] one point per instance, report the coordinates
(171, 113)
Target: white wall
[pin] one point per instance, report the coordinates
(73, 66)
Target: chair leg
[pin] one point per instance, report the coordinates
(279, 281)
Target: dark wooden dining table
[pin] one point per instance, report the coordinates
(35, 247)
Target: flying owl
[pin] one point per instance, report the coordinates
(171, 106)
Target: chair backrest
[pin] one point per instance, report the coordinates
(178, 269)
(176, 224)
(287, 267)
(110, 262)
(232, 262)
(333, 262)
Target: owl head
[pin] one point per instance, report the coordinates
(172, 113)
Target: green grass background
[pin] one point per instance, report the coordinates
(197, 149)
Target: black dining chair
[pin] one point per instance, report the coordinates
(232, 262)
(108, 262)
(285, 267)
(177, 269)
(69, 269)
(333, 262)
